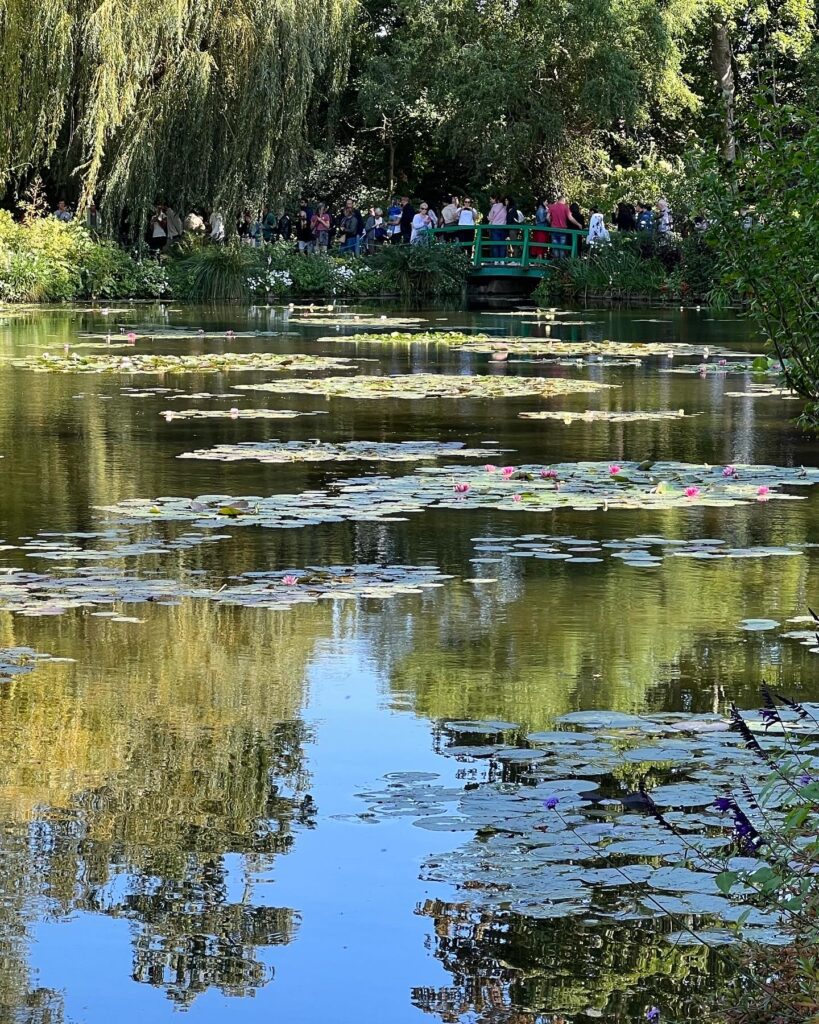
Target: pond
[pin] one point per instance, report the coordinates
(235, 775)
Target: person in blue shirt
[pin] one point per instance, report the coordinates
(62, 212)
(394, 221)
(645, 218)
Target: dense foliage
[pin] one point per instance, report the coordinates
(636, 268)
(220, 103)
(42, 259)
(767, 232)
(205, 101)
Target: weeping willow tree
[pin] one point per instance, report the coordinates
(200, 101)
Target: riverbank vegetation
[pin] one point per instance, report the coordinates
(45, 260)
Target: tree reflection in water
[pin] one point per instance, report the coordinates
(157, 790)
(512, 969)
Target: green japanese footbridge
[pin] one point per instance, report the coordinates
(519, 250)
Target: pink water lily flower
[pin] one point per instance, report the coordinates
(729, 471)
(515, 497)
(461, 488)
(763, 492)
(489, 468)
(615, 469)
(131, 338)
(692, 492)
(234, 413)
(548, 474)
(290, 581)
(508, 471)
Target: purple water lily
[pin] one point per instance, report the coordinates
(551, 802)
(723, 804)
(653, 1013)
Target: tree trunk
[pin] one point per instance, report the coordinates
(722, 66)
(391, 188)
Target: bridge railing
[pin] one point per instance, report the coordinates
(521, 246)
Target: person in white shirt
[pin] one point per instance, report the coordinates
(421, 223)
(217, 226)
(598, 232)
(158, 229)
(467, 219)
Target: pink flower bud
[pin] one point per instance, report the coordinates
(461, 488)
(615, 469)
(692, 492)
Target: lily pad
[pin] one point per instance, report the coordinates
(18, 661)
(238, 414)
(203, 363)
(428, 385)
(583, 486)
(605, 416)
(348, 451)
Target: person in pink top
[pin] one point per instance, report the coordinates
(560, 216)
(497, 215)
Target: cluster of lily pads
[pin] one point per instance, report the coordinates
(133, 334)
(642, 552)
(173, 394)
(111, 544)
(484, 343)
(760, 365)
(317, 318)
(755, 390)
(236, 413)
(559, 827)
(37, 594)
(348, 451)
(578, 485)
(18, 661)
(201, 363)
(428, 385)
(608, 416)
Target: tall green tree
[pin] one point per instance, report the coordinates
(198, 100)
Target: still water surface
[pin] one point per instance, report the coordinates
(180, 806)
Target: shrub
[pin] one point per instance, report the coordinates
(211, 273)
(634, 265)
(420, 272)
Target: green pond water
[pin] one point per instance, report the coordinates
(187, 805)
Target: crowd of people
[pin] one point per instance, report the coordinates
(317, 228)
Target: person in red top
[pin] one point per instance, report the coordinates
(560, 216)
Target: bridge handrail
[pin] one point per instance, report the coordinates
(517, 245)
